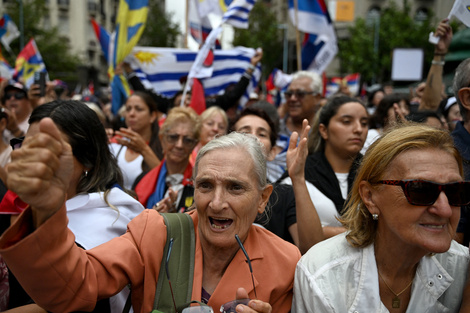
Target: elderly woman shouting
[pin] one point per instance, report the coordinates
(398, 254)
(230, 190)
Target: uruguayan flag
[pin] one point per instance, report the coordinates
(160, 69)
(238, 12)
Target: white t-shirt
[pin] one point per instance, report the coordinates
(130, 170)
(326, 209)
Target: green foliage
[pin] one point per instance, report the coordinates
(54, 48)
(263, 32)
(397, 30)
(159, 31)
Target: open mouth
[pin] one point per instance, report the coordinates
(434, 226)
(221, 223)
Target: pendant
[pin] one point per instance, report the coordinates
(395, 303)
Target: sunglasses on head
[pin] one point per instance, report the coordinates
(299, 94)
(423, 192)
(16, 95)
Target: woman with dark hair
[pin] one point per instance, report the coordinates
(338, 134)
(97, 208)
(137, 148)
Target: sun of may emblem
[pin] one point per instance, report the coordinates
(146, 57)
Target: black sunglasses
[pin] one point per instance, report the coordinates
(187, 141)
(423, 192)
(16, 95)
(299, 94)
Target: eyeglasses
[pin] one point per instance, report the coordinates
(16, 95)
(229, 307)
(187, 141)
(423, 192)
(299, 94)
(16, 143)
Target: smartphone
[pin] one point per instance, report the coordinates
(40, 79)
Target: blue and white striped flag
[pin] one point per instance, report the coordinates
(238, 12)
(160, 69)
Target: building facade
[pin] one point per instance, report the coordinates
(73, 21)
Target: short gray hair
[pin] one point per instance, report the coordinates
(461, 80)
(316, 85)
(247, 142)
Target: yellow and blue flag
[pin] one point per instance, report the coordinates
(28, 62)
(130, 24)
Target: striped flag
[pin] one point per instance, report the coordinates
(320, 46)
(238, 12)
(160, 69)
(28, 62)
(103, 37)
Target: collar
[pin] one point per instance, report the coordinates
(430, 282)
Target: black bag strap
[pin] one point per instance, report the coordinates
(180, 228)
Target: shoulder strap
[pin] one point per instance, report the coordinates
(180, 227)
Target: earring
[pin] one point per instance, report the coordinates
(86, 173)
(375, 217)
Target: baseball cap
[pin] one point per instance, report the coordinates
(17, 86)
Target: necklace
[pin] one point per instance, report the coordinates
(396, 300)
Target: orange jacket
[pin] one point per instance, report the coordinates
(61, 277)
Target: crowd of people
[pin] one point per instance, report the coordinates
(319, 205)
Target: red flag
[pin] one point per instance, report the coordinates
(198, 100)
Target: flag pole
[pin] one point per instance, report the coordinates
(297, 36)
(187, 25)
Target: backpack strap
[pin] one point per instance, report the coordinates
(180, 228)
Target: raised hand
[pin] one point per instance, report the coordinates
(297, 153)
(40, 171)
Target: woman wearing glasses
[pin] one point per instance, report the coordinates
(168, 188)
(230, 190)
(137, 148)
(398, 254)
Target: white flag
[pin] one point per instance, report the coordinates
(461, 10)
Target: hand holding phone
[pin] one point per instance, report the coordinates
(40, 79)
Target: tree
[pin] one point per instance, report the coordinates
(263, 32)
(159, 31)
(397, 30)
(54, 48)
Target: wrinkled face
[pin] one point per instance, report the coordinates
(255, 125)
(422, 229)
(347, 130)
(227, 197)
(21, 107)
(178, 142)
(301, 107)
(211, 127)
(138, 116)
